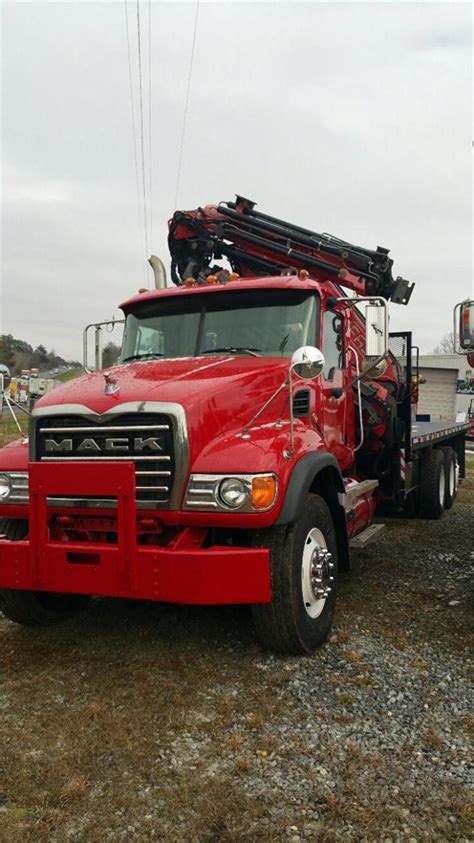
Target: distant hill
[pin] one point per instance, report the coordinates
(18, 354)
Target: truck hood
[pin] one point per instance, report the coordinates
(217, 394)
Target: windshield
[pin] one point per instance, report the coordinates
(257, 323)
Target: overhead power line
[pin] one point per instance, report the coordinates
(142, 137)
(186, 104)
(150, 154)
(132, 104)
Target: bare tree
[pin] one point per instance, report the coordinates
(446, 346)
(110, 355)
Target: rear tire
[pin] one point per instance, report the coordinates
(412, 505)
(451, 469)
(35, 608)
(433, 484)
(303, 560)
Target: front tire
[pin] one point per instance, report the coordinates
(40, 608)
(303, 577)
(35, 608)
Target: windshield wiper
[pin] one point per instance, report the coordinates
(234, 349)
(147, 354)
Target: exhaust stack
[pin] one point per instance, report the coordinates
(159, 272)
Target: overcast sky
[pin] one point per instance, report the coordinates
(352, 118)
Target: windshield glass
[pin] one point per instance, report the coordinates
(254, 322)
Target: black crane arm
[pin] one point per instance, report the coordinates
(259, 244)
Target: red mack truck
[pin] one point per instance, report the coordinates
(257, 418)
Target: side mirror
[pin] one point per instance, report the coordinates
(465, 325)
(109, 324)
(307, 362)
(376, 330)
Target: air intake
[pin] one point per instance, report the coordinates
(301, 403)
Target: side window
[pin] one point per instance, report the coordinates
(332, 344)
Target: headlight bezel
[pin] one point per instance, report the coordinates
(18, 493)
(203, 493)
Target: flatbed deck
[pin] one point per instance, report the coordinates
(424, 432)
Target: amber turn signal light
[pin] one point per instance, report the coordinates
(263, 491)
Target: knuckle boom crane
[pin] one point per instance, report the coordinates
(257, 244)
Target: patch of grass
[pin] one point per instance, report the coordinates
(69, 375)
(434, 740)
(363, 681)
(8, 429)
(351, 656)
(419, 664)
(395, 637)
(344, 698)
(243, 764)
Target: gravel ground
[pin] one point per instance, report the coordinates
(138, 722)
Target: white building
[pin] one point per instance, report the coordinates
(449, 385)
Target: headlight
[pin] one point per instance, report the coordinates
(5, 486)
(233, 492)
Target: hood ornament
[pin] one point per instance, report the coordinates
(111, 385)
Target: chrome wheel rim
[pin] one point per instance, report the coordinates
(442, 486)
(316, 573)
(452, 478)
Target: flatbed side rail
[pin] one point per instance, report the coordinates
(424, 433)
(429, 434)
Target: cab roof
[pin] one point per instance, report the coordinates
(289, 282)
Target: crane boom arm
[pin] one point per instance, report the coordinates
(258, 244)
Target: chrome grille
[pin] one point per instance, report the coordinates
(147, 440)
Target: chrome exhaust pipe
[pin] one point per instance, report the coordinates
(159, 272)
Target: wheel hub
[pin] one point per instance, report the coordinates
(316, 573)
(321, 577)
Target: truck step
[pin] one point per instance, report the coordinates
(356, 490)
(368, 535)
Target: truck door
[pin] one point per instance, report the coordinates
(334, 382)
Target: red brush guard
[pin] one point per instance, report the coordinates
(183, 571)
